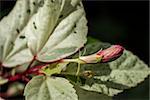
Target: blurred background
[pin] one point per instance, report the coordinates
(117, 22)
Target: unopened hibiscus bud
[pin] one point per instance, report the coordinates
(106, 55)
(111, 53)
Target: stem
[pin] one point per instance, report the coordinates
(78, 60)
(32, 61)
(78, 69)
(35, 69)
(70, 60)
(22, 76)
(15, 77)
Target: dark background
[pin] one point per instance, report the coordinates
(116, 22)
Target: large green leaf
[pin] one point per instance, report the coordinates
(113, 77)
(49, 88)
(123, 73)
(51, 32)
(12, 38)
(42, 24)
(13, 24)
(46, 32)
(67, 37)
(20, 58)
(27, 41)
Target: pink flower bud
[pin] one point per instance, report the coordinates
(111, 53)
(106, 55)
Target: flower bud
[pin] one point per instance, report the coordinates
(106, 55)
(111, 53)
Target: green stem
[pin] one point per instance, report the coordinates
(78, 69)
(73, 60)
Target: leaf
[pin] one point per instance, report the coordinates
(88, 95)
(113, 77)
(49, 88)
(67, 38)
(42, 24)
(13, 43)
(67, 7)
(126, 72)
(13, 24)
(18, 59)
(47, 32)
(10, 24)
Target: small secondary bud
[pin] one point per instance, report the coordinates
(88, 74)
(111, 53)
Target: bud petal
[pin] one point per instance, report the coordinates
(111, 53)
